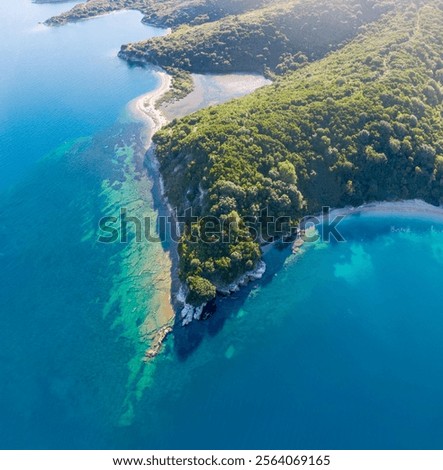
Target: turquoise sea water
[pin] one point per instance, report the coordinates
(339, 347)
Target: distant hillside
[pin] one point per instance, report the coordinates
(167, 13)
(363, 124)
(280, 37)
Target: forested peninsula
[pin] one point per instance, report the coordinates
(354, 115)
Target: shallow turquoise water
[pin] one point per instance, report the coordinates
(339, 347)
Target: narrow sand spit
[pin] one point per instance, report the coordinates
(144, 108)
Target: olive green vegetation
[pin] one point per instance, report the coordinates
(362, 124)
(93, 8)
(182, 84)
(277, 38)
(201, 290)
(164, 13)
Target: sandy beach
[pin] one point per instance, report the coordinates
(408, 208)
(209, 90)
(143, 108)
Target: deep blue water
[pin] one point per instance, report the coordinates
(339, 347)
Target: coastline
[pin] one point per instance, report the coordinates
(212, 89)
(144, 109)
(208, 90)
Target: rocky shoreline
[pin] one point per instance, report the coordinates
(189, 313)
(88, 9)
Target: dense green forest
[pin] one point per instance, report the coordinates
(277, 38)
(362, 124)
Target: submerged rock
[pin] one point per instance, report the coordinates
(297, 245)
(158, 341)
